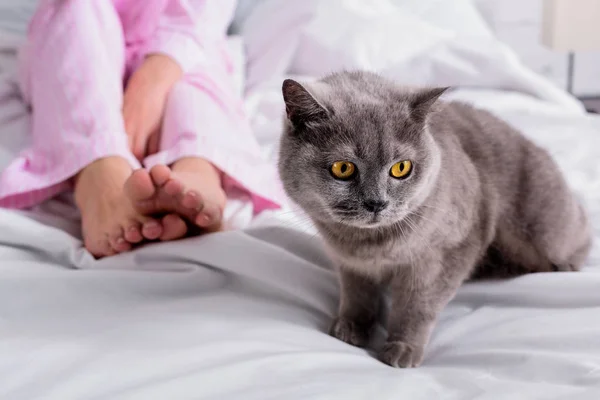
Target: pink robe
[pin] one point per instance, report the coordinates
(78, 55)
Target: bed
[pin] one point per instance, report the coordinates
(243, 314)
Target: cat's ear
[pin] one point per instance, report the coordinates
(421, 102)
(301, 107)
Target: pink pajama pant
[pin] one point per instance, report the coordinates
(73, 68)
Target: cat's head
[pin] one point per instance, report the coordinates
(357, 150)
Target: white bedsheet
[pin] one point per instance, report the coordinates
(243, 315)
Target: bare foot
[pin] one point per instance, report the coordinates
(110, 223)
(190, 188)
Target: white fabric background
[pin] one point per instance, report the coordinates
(243, 315)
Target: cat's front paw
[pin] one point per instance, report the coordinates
(401, 355)
(350, 332)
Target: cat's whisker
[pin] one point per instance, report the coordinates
(411, 266)
(442, 210)
(413, 272)
(420, 215)
(412, 225)
(300, 224)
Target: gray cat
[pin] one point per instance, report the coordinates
(415, 195)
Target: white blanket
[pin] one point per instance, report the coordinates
(243, 315)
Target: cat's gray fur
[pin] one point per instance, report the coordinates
(481, 197)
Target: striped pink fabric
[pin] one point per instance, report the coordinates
(73, 69)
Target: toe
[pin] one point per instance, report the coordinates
(401, 355)
(100, 249)
(192, 200)
(203, 220)
(151, 230)
(209, 216)
(120, 245)
(140, 190)
(117, 241)
(174, 187)
(173, 227)
(160, 174)
(351, 332)
(133, 233)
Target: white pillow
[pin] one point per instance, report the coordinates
(458, 16)
(314, 37)
(415, 42)
(366, 35)
(382, 34)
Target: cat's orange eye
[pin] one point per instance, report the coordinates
(401, 169)
(343, 169)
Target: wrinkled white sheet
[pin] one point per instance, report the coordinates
(243, 315)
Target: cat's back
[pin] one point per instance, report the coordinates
(538, 219)
(486, 139)
(502, 155)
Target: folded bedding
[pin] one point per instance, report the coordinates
(244, 314)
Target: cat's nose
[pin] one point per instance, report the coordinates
(375, 205)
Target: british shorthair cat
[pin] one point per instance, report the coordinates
(416, 195)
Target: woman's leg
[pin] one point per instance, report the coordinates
(74, 63)
(207, 143)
